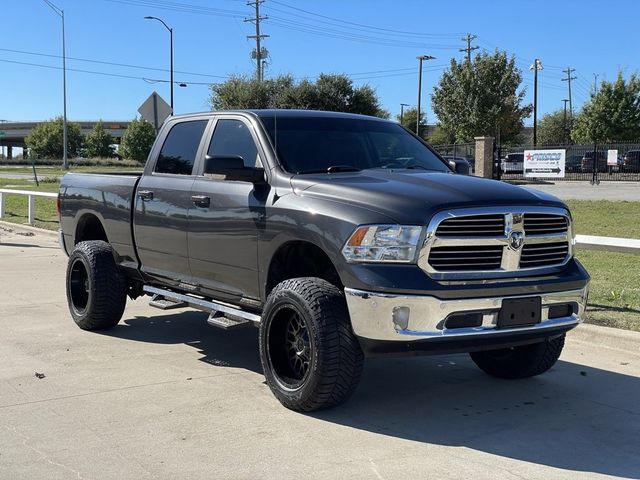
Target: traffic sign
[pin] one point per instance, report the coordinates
(155, 110)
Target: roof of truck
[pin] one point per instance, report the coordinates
(274, 112)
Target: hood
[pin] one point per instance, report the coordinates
(411, 197)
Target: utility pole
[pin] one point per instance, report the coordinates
(569, 71)
(536, 66)
(420, 58)
(595, 83)
(259, 54)
(469, 38)
(170, 30)
(402, 105)
(566, 130)
(65, 160)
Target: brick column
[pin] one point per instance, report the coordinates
(484, 156)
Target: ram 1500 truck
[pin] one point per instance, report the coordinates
(339, 236)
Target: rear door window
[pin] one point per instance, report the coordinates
(178, 153)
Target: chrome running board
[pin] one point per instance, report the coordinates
(216, 310)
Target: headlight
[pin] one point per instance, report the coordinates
(383, 243)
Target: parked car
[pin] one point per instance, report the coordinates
(573, 163)
(587, 161)
(338, 236)
(513, 163)
(632, 161)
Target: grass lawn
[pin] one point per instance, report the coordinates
(614, 299)
(16, 206)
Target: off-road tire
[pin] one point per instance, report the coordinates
(520, 362)
(96, 288)
(335, 358)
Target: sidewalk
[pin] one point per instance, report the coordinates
(570, 190)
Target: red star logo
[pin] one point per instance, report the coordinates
(529, 156)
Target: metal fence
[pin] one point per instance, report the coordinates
(466, 151)
(579, 163)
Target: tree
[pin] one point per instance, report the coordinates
(481, 97)
(612, 114)
(137, 140)
(329, 92)
(98, 143)
(46, 139)
(441, 137)
(552, 128)
(409, 120)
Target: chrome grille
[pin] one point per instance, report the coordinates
(543, 254)
(496, 242)
(466, 258)
(537, 223)
(477, 225)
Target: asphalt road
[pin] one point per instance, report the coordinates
(164, 396)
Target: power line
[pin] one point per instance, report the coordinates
(370, 27)
(356, 37)
(103, 62)
(118, 75)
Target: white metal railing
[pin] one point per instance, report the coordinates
(609, 244)
(31, 199)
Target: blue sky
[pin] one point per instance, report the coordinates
(210, 40)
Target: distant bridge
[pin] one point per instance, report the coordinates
(12, 134)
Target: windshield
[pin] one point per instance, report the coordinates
(332, 144)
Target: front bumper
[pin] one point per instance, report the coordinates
(387, 318)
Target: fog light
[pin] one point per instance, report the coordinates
(400, 317)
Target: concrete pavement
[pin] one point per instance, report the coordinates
(163, 395)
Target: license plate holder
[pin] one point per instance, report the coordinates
(520, 312)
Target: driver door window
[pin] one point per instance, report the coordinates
(232, 137)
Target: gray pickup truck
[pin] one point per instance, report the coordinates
(339, 236)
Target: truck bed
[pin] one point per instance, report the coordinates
(107, 196)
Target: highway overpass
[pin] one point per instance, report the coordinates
(12, 134)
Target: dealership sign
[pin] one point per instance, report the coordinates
(544, 163)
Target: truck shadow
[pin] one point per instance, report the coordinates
(574, 417)
(237, 348)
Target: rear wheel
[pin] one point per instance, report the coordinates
(520, 362)
(96, 289)
(310, 356)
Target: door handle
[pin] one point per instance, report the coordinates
(201, 201)
(145, 195)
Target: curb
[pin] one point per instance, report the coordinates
(28, 228)
(615, 338)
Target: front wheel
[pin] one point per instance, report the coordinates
(96, 288)
(310, 356)
(520, 362)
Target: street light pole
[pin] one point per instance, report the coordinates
(402, 105)
(65, 160)
(170, 54)
(420, 58)
(536, 66)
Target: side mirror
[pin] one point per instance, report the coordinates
(460, 166)
(232, 167)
